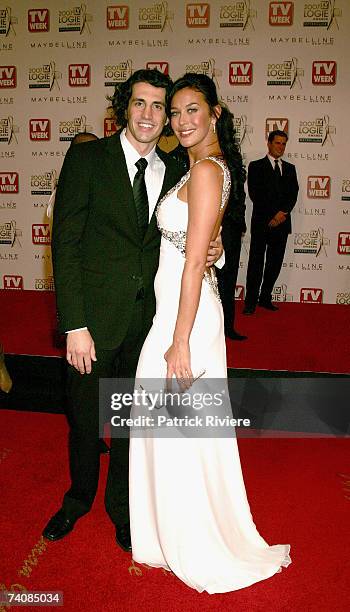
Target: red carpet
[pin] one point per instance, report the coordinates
(299, 337)
(299, 492)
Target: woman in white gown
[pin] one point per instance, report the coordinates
(188, 507)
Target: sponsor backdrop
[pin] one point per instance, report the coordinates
(279, 64)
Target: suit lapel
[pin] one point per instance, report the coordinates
(120, 181)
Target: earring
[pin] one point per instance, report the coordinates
(214, 127)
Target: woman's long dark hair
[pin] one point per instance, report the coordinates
(224, 127)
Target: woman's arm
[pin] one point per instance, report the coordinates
(204, 217)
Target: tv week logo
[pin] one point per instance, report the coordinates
(239, 292)
(276, 123)
(110, 127)
(344, 243)
(161, 66)
(281, 13)
(324, 73)
(318, 187)
(310, 295)
(38, 20)
(41, 233)
(197, 15)
(240, 73)
(8, 77)
(9, 182)
(79, 75)
(13, 281)
(118, 17)
(39, 129)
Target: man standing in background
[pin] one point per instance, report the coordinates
(273, 189)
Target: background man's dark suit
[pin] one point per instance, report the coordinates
(233, 226)
(104, 273)
(269, 196)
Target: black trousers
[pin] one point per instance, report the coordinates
(83, 415)
(227, 276)
(267, 248)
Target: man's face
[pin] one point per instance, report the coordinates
(145, 115)
(277, 146)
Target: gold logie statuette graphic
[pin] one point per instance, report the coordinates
(156, 17)
(237, 14)
(7, 22)
(8, 130)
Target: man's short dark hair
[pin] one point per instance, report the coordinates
(122, 93)
(277, 133)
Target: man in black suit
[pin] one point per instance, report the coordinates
(273, 189)
(105, 248)
(233, 227)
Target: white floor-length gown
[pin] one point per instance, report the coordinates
(188, 507)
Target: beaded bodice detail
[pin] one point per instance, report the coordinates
(178, 238)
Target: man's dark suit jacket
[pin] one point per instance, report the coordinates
(268, 197)
(99, 256)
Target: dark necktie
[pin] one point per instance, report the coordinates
(277, 170)
(140, 195)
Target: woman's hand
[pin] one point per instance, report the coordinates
(178, 358)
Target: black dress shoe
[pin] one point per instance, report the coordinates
(233, 335)
(58, 526)
(104, 448)
(268, 306)
(123, 538)
(249, 310)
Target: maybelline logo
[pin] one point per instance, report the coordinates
(8, 77)
(280, 294)
(198, 15)
(13, 282)
(39, 129)
(311, 243)
(118, 17)
(9, 234)
(68, 129)
(9, 182)
(343, 298)
(276, 123)
(117, 73)
(240, 73)
(43, 184)
(206, 67)
(39, 20)
(155, 17)
(41, 233)
(322, 14)
(7, 21)
(319, 187)
(79, 75)
(74, 20)
(161, 66)
(44, 77)
(243, 130)
(109, 126)
(237, 14)
(44, 284)
(281, 13)
(317, 131)
(344, 243)
(285, 73)
(311, 295)
(8, 131)
(345, 190)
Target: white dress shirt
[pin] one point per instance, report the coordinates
(273, 159)
(154, 173)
